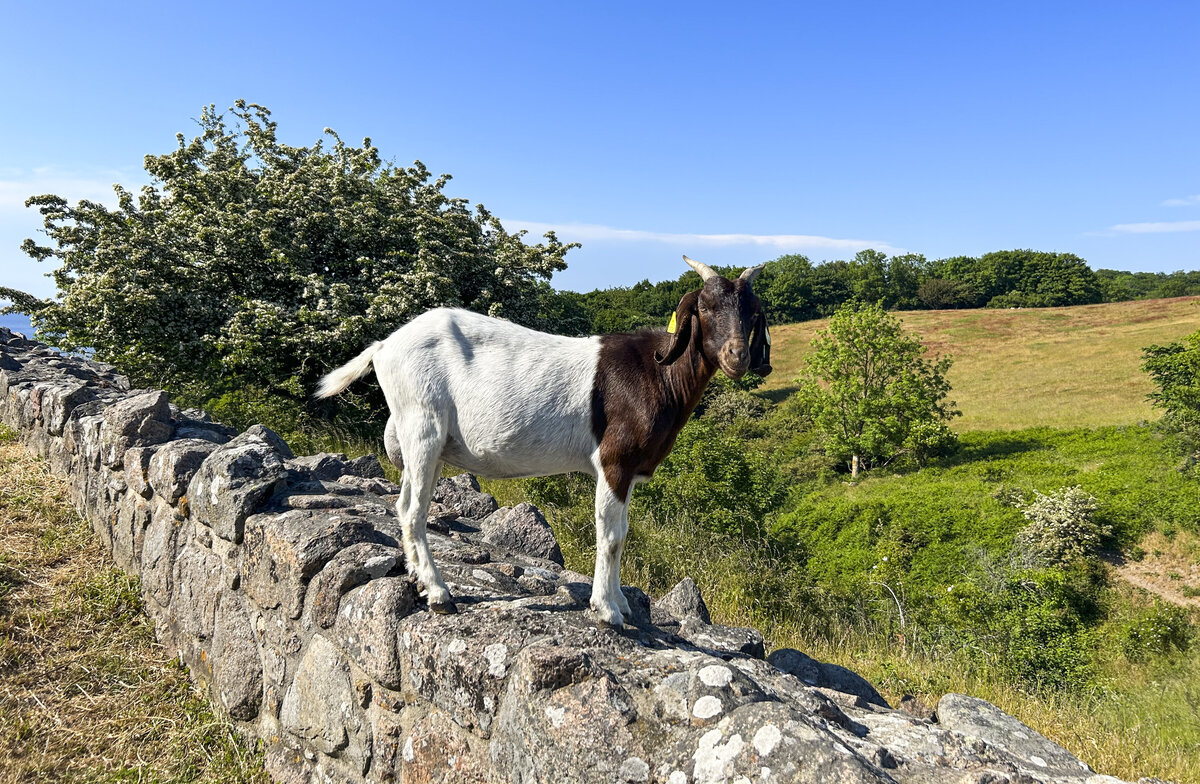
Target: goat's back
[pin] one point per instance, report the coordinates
(514, 401)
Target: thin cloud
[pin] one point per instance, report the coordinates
(1187, 201)
(16, 186)
(585, 232)
(1162, 227)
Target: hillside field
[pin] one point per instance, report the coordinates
(1076, 366)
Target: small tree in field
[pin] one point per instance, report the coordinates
(872, 394)
(1175, 369)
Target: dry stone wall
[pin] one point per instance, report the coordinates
(280, 583)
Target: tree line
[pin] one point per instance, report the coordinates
(793, 288)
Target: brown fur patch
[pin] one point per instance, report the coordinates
(639, 406)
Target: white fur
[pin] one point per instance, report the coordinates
(338, 380)
(496, 399)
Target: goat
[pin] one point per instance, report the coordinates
(503, 401)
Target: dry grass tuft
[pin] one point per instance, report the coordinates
(86, 694)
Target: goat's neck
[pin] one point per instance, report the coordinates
(686, 378)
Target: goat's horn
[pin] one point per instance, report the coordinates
(750, 273)
(705, 271)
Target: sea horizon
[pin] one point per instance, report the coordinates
(17, 322)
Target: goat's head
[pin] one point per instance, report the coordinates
(726, 322)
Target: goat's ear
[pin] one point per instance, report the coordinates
(686, 314)
(760, 344)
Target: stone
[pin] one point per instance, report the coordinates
(828, 676)
(561, 705)
(462, 493)
(282, 552)
(286, 766)
(437, 749)
(372, 485)
(174, 464)
(917, 707)
(132, 516)
(465, 481)
(1039, 756)
(366, 626)
(271, 438)
(326, 494)
(460, 663)
(233, 482)
(522, 529)
(142, 419)
(204, 433)
(196, 589)
(351, 567)
(236, 666)
(137, 470)
(323, 465)
(336, 466)
(158, 558)
(194, 423)
(681, 603)
(320, 707)
(365, 467)
(639, 605)
(61, 400)
(723, 640)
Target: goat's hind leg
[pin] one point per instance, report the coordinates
(391, 443)
(421, 444)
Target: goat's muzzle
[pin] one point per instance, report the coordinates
(734, 358)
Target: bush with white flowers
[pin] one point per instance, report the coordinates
(252, 262)
(1061, 527)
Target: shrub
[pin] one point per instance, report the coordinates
(727, 405)
(1031, 624)
(249, 262)
(711, 478)
(1156, 632)
(1061, 527)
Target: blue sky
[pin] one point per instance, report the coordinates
(649, 130)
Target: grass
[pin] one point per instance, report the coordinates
(1038, 367)
(86, 694)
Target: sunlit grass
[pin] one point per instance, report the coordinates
(86, 694)
(1053, 367)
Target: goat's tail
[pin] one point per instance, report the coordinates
(337, 380)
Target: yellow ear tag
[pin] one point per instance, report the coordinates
(672, 326)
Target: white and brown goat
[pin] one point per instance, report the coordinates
(501, 400)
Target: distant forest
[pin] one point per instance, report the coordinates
(792, 288)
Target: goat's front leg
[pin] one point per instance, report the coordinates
(612, 525)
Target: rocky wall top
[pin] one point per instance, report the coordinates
(280, 582)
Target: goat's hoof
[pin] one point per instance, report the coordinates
(443, 608)
(612, 621)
